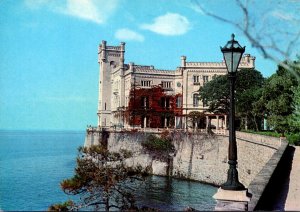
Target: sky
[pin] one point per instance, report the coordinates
(48, 50)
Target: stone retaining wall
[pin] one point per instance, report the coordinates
(198, 156)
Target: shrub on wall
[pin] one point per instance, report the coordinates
(159, 147)
(126, 153)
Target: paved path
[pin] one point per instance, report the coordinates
(292, 202)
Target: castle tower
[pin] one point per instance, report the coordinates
(110, 59)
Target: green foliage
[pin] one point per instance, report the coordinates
(101, 180)
(294, 139)
(126, 153)
(277, 98)
(154, 143)
(195, 116)
(159, 147)
(248, 92)
(216, 93)
(66, 206)
(294, 119)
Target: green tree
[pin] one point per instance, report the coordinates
(248, 91)
(216, 94)
(197, 117)
(294, 120)
(101, 180)
(277, 98)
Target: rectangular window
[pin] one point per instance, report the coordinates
(179, 102)
(166, 84)
(146, 83)
(165, 102)
(145, 102)
(205, 79)
(195, 100)
(162, 102)
(196, 79)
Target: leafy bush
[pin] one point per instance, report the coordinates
(65, 206)
(126, 153)
(294, 139)
(158, 144)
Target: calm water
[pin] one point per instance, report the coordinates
(32, 164)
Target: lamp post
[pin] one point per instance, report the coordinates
(232, 53)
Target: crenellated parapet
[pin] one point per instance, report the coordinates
(246, 62)
(114, 48)
(154, 71)
(143, 67)
(113, 52)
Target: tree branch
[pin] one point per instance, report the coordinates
(272, 51)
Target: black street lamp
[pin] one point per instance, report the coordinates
(232, 53)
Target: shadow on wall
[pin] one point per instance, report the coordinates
(275, 194)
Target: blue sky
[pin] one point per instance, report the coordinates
(48, 51)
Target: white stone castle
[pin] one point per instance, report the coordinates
(117, 78)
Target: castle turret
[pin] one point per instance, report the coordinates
(252, 61)
(102, 51)
(122, 45)
(183, 61)
(110, 59)
(131, 65)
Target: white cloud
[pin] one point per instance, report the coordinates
(84, 9)
(128, 35)
(97, 11)
(169, 24)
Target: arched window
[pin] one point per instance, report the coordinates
(112, 64)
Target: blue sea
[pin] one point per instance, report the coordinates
(33, 163)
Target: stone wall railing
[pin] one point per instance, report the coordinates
(158, 130)
(259, 139)
(260, 182)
